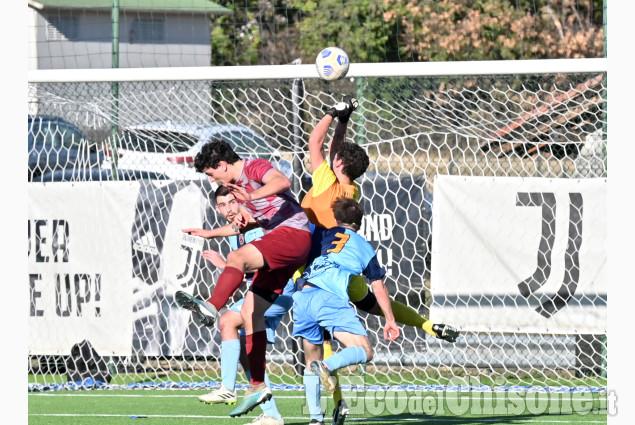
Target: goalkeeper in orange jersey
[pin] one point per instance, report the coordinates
(349, 161)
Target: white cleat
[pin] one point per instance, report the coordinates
(220, 395)
(266, 420)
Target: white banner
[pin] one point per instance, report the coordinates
(80, 265)
(519, 254)
(178, 264)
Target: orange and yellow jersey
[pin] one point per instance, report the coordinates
(326, 189)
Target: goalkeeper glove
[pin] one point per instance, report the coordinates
(352, 104)
(338, 109)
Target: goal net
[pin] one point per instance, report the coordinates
(485, 200)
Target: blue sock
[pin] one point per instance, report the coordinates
(229, 354)
(269, 408)
(346, 357)
(312, 392)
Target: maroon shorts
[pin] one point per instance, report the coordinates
(285, 249)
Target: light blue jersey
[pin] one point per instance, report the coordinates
(236, 241)
(342, 253)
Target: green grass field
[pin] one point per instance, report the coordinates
(181, 407)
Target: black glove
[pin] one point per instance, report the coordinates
(352, 104)
(338, 109)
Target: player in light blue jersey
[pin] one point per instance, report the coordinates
(231, 323)
(321, 300)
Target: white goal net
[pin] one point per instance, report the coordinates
(485, 199)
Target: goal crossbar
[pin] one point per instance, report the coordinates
(277, 72)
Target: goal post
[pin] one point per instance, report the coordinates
(485, 199)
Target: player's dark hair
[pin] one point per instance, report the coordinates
(354, 158)
(347, 211)
(222, 191)
(214, 152)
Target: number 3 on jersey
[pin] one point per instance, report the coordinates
(339, 243)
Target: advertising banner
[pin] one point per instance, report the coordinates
(106, 259)
(520, 254)
(79, 266)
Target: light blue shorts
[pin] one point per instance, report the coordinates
(315, 310)
(273, 315)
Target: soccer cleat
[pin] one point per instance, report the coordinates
(266, 420)
(352, 103)
(340, 413)
(316, 422)
(328, 381)
(445, 332)
(254, 396)
(204, 311)
(220, 395)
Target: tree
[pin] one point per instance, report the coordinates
(257, 33)
(449, 30)
(277, 32)
(358, 27)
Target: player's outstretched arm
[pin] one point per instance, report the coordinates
(391, 331)
(226, 230)
(316, 141)
(341, 110)
(338, 138)
(346, 108)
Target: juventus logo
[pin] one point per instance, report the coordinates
(528, 287)
(185, 276)
(192, 246)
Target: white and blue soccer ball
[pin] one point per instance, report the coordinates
(332, 63)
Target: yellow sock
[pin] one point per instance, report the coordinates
(409, 316)
(328, 352)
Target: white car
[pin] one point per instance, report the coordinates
(169, 148)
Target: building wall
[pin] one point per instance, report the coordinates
(83, 40)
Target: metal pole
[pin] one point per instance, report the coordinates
(604, 349)
(604, 48)
(297, 95)
(359, 113)
(114, 89)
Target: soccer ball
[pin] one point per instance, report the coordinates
(332, 63)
